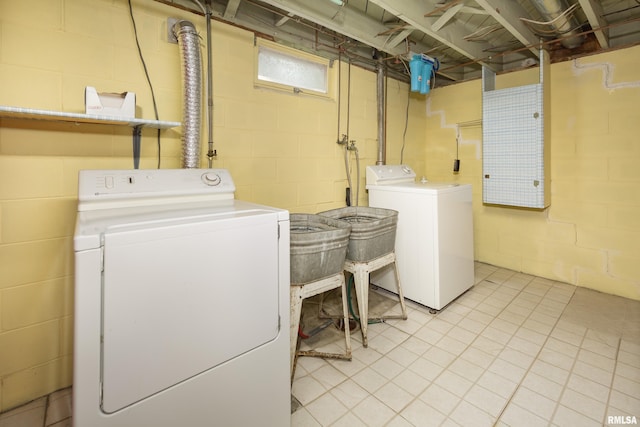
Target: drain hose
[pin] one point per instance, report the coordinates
(346, 167)
(189, 44)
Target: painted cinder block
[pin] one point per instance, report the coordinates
(46, 15)
(332, 170)
(321, 146)
(276, 144)
(624, 217)
(317, 192)
(297, 170)
(281, 195)
(30, 88)
(252, 170)
(577, 212)
(551, 268)
(23, 177)
(35, 261)
(580, 167)
(27, 46)
(23, 220)
(597, 191)
(256, 116)
(625, 266)
(38, 302)
(41, 340)
(624, 241)
(235, 143)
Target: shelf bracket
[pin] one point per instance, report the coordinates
(137, 132)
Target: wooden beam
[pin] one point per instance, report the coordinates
(284, 19)
(508, 14)
(232, 9)
(350, 23)
(412, 12)
(441, 8)
(593, 10)
(399, 38)
(446, 17)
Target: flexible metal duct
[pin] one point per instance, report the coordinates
(554, 11)
(189, 44)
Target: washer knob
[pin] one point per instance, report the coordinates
(211, 179)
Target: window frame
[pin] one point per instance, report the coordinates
(294, 54)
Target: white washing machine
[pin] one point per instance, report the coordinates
(434, 238)
(181, 303)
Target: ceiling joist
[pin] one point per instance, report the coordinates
(463, 35)
(594, 13)
(508, 13)
(232, 9)
(351, 23)
(343, 20)
(446, 17)
(452, 36)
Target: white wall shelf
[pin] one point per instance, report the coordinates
(34, 114)
(60, 116)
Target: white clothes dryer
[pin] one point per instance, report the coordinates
(434, 236)
(181, 302)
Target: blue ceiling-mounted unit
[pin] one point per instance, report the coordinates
(422, 68)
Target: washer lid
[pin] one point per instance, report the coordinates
(93, 224)
(420, 187)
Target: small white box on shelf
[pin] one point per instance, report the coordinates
(109, 104)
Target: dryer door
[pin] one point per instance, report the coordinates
(183, 296)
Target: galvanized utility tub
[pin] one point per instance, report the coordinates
(318, 247)
(373, 231)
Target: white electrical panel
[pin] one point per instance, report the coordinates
(515, 141)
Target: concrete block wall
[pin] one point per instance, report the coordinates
(589, 235)
(280, 149)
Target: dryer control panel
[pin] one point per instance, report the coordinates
(389, 174)
(104, 189)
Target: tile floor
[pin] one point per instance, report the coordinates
(515, 350)
(53, 410)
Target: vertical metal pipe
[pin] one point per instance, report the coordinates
(381, 113)
(211, 152)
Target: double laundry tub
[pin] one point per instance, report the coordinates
(321, 243)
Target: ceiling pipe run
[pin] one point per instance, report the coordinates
(564, 23)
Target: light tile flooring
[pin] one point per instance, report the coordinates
(53, 410)
(515, 350)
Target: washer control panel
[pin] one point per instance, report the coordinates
(389, 174)
(157, 184)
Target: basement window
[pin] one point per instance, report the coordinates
(292, 70)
